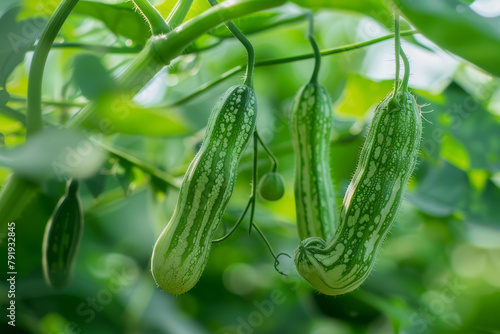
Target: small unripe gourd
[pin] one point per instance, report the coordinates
(271, 186)
(62, 238)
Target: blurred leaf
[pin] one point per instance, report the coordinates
(91, 76)
(125, 176)
(7, 4)
(484, 208)
(479, 179)
(373, 8)
(4, 97)
(54, 153)
(117, 114)
(198, 7)
(96, 184)
(434, 195)
(454, 152)
(452, 25)
(362, 94)
(16, 39)
(262, 20)
(473, 126)
(120, 18)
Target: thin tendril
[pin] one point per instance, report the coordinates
(270, 154)
(248, 46)
(276, 257)
(238, 222)
(316, 50)
(254, 181)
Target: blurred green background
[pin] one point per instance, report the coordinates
(437, 272)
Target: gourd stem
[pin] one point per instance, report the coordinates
(327, 52)
(406, 78)
(397, 48)
(152, 16)
(274, 161)
(178, 13)
(315, 47)
(248, 46)
(34, 121)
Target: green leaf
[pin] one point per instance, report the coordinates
(117, 114)
(455, 27)
(373, 8)
(474, 127)
(434, 195)
(198, 7)
(361, 94)
(16, 39)
(262, 20)
(479, 178)
(121, 19)
(54, 153)
(454, 152)
(91, 76)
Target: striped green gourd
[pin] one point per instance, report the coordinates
(62, 238)
(311, 128)
(181, 251)
(371, 203)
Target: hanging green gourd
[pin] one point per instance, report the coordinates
(181, 252)
(311, 128)
(389, 155)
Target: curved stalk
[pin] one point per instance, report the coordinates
(248, 46)
(179, 12)
(397, 48)
(327, 52)
(34, 121)
(152, 16)
(315, 47)
(406, 77)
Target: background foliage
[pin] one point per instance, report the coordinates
(438, 271)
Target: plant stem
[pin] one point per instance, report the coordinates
(157, 53)
(161, 50)
(14, 98)
(327, 52)
(13, 114)
(397, 43)
(167, 178)
(152, 16)
(177, 40)
(406, 77)
(316, 51)
(98, 48)
(248, 46)
(34, 107)
(250, 52)
(178, 13)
